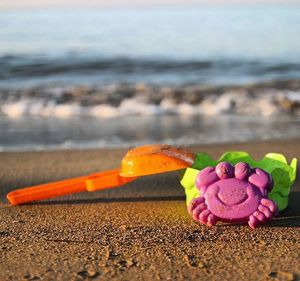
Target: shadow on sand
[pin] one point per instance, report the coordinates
(109, 200)
(288, 218)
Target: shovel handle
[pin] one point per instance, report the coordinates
(92, 182)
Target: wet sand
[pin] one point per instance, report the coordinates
(141, 231)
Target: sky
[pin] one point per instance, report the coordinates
(126, 3)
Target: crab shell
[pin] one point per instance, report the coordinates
(233, 194)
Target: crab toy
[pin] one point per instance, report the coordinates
(215, 190)
(233, 194)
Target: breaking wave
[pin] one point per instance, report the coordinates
(268, 99)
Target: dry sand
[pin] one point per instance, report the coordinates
(141, 231)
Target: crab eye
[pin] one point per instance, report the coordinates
(242, 170)
(224, 170)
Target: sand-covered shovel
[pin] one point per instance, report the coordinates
(235, 188)
(140, 161)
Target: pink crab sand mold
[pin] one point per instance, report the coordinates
(221, 191)
(233, 194)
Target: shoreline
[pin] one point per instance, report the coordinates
(140, 231)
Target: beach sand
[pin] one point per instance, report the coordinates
(140, 231)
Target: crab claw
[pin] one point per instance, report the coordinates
(205, 178)
(262, 180)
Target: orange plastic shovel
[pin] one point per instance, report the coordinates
(140, 161)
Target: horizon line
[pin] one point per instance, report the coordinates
(8, 5)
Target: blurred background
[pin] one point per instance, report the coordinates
(124, 73)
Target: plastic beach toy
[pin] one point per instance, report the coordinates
(140, 161)
(234, 194)
(215, 190)
(235, 188)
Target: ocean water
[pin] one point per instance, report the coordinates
(164, 45)
(91, 77)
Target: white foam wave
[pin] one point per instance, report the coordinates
(232, 102)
